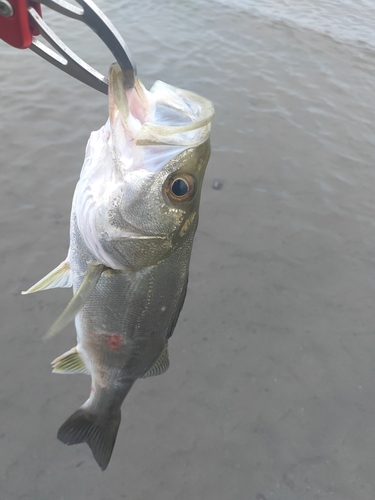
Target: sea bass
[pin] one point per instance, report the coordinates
(134, 216)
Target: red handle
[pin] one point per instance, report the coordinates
(16, 29)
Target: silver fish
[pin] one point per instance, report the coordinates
(134, 216)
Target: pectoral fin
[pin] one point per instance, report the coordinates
(161, 365)
(69, 362)
(60, 277)
(78, 301)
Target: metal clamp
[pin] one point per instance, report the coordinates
(15, 28)
(21, 22)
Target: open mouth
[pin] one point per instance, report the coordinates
(163, 116)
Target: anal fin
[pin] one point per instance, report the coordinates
(160, 366)
(60, 277)
(69, 362)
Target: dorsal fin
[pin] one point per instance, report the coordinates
(79, 299)
(69, 362)
(60, 277)
(160, 366)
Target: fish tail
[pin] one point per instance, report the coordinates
(98, 432)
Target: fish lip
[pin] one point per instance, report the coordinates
(140, 236)
(116, 234)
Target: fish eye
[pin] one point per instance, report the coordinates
(180, 188)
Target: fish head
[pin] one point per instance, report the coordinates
(138, 197)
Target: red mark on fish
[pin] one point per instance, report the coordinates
(114, 340)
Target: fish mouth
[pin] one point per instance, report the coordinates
(163, 116)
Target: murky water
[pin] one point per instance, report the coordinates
(270, 394)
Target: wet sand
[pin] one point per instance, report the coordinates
(270, 394)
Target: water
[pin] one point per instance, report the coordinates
(270, 393)
(346, 21)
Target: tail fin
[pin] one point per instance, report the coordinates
(98, 432)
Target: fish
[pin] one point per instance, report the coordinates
(133, 220)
